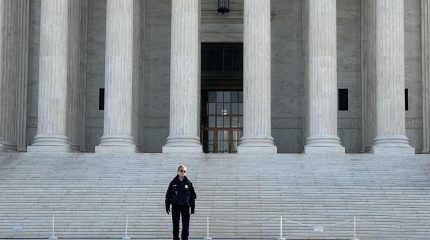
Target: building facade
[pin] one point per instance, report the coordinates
(286, 76)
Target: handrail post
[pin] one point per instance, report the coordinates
(355, 228)
(280, 230)
(126, 230)
(53, 237)
(207, 229)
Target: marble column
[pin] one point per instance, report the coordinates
(118, 113)
(138, 74)
(390, 78)
(368, 74)
(3, 83)
(425, 43)
(23, 47)
(8, 74)
(52, 101)
(76, 74)
(321, 78)
(184, 78)
(257, 79)
(83, 71)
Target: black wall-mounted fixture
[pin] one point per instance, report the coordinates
(223, 6)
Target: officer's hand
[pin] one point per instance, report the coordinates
(192, 210)
(167, 210)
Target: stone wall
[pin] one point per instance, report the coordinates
(95, 71)
(349, 71)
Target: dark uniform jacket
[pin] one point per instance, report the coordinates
(181, 193)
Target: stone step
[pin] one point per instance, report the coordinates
(244, 196)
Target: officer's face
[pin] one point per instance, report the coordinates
(182, 172)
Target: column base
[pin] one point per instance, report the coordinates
(257, 145)
(324, 145)
(366, 149)
(392, 145)
(50, 144)
(183, 145)
(75, 148)
(8, 147)
(115, 144)
(425, 151)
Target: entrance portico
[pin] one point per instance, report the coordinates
(59, 113)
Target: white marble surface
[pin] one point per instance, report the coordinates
(95, 72)
(119, 104)
(75, 73)
(33, 71)
(184, 78)
(321, 82)
(390, 78)
(287, 70)
(257, 137)
(90, 195)
(425, 45)
(368, 75)
(23, 15)
(8, 74)
(413, 74)
(52, 100)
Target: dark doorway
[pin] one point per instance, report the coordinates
(222, 97)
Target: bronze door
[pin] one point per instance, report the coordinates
(222, 120)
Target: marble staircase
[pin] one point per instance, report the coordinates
(244, 196)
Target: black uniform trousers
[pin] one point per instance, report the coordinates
(178, 210)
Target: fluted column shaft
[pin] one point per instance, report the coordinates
(8, 74)
(368, 75)
(117, 132)
(184, 78)
(321, 73)
(76, 78)
(390, 78)
(425, 36)
(257, 79)
(23, 47)
(52, 104)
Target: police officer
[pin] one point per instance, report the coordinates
(182, 196)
